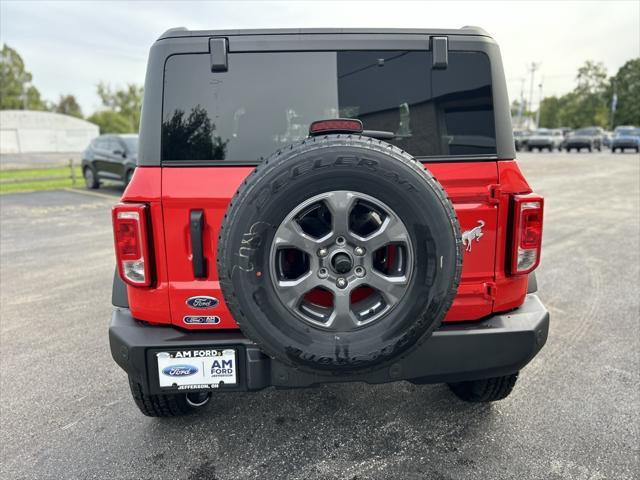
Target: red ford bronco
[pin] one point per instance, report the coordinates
(315, 206)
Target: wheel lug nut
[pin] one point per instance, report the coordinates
(359, 271)
(359, 251)
(340, 240)
(323, 273)
(322, 252)
(341, 282)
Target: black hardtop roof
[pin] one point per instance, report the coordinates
(184, 32)
(179, 41)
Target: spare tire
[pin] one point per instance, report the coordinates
(339, 254)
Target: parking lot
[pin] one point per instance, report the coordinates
(66, 410)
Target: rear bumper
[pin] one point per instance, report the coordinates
(499, 345)
(580, 144)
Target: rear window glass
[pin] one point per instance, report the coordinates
(267, 100)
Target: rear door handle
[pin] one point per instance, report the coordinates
(196, 221)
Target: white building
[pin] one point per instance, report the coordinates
(27, 132)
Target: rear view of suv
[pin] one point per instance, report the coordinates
(589, 138)
(325, 206)
(546, 138)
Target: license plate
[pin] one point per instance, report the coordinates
(197, 368)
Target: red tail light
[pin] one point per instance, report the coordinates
(527, 233)
(132, 243)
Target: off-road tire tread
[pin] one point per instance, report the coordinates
(485, 390)
(327, 141)
(159, 405)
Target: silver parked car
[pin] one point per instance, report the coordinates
(546, 138)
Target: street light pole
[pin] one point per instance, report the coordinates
(532, 69)
(539, 105)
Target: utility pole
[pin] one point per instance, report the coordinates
(534, 66)
(521, 104)
(539, 103)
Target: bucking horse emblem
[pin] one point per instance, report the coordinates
(474, 234)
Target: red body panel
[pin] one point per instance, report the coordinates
(510, 290)
(186, 189)
(469, 188)
(479, 191)
(151, 304)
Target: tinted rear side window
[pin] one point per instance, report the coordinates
(267, 100)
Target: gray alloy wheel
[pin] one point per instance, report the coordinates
(90, 179)
(347, 255)
(339, 254)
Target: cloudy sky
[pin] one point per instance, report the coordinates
(69, 46)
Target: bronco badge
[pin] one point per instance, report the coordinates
(471, 235)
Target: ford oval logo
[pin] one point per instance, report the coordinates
(180, 370)
(202, 302)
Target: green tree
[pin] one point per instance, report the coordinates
(515, 109)
(592, 78)
(68, 105)
(586, 105)
(550, 110)
(626, 84)
(591, 94)
(16, 92)
(110, 122)
(127, 102)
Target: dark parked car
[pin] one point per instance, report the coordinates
(628, 137)
(110, 157)
(589, 138)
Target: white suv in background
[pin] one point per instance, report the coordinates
(545, 138)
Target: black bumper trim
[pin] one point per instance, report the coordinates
(499, 345)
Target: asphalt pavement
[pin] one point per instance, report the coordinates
(66, 411)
